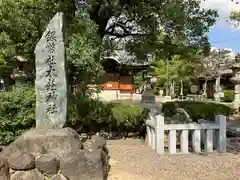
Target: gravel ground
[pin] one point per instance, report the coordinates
(131, 159)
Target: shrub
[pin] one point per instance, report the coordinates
(228, 96)
(88, 115)
(128, 117)
(17, 113)
(196, 109)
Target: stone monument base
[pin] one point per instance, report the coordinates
(54, 155)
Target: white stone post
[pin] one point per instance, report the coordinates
(148, 138)
(159, 133)
(222, 139)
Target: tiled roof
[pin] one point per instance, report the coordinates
(123, 57)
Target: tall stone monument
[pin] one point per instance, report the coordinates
(50, 83)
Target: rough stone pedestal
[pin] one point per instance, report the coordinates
(41, 154)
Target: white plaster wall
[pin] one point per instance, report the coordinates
(113, 95)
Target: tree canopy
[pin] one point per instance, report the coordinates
(209, 67)
(139, 20)
(142, 27)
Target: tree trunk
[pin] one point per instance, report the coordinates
(181, 90)
(173, 89)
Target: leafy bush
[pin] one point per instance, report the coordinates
(128, 117)
(17, 113)
(196, 109)
(228, 96)
(88, 115)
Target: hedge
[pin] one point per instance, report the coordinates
(17, 114)
(196, 109)
(228, 96)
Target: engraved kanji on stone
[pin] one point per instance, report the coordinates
(51, 36)
(51, 85)
(51, 72)
(51, 47)
(51, 96)
(51, 109)
(50, 60)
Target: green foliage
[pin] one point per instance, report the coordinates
(196, 109)
(82, 50)
(5, 69)
(184, 21)
(87, 114)
(138, 80)
(235, 18)
(209, 66)
(127, 115)
(2, 62)
(228, 96)
(23, 22)
(177, 69)
(108, 116)
(17, 113)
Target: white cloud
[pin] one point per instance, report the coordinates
(231, 53)
(224, 8)
(217, 49)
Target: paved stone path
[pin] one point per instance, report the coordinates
(131, 159)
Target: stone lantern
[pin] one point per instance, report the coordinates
(18, 74)
(148, 96)
(236, 81)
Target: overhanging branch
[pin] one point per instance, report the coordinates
(118, 35)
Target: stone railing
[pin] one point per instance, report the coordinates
(210, 133)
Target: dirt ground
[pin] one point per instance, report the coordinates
(131, 159)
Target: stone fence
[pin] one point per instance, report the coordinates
(212, 135)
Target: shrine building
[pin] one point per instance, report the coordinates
(117, 82)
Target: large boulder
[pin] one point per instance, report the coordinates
(84, 165)
(56, 154)
(22, 162)
(12, 151)
(58, 177)
(1, 148)
(96, 142)
(4, 170)
(39, 141)
(28, 175)
(48, 164)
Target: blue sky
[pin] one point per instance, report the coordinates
(223, 34)
(225, 37)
